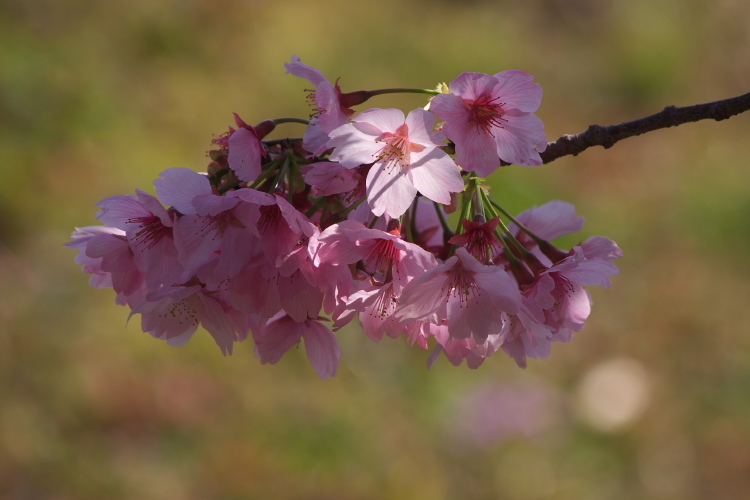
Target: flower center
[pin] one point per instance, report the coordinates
(385, 303)
(397, 149)
(382, 256)
(150, 232)
(312, 101)
(485, 113)
(215, 224)
(184, 312)
(563, 288)
(461, 285)
(482, 244)
(269, 218)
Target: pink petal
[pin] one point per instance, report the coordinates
(298, 298)
(552, 220)
(252, 293)
(322, 349)
(518, 91)
(196, 241)
(116, 211)
(315, 139)
(245, 154)
(298, 223)
(328, 99)
(160, 263)
(449, 107)
(594, 272)
(153, 205)
(601, 248)
(424, 295)
(420, 124)
(220, 323)
(114, 250)
(475, 151)
(278, 337)
(330, 177)
(211, 204)
(179, 185)
(301, 70)
(389, 193)
(521, 140)
(386, 120)
(355, 144)
(435, 175)
(470, 86)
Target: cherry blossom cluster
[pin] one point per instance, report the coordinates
(375, 215)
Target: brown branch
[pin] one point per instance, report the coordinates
(671, 116)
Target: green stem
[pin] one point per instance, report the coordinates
(515, 221)
(402, 91)
(290, 180)
(465, 209)
(406, 226)
(315, 207)
(277, 121)
(447, 231)
(349, 209)
(506, 236)
(229, 187)
(279, 175)
(287, 141)
(267, 171)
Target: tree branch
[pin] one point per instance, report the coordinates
(671, 116)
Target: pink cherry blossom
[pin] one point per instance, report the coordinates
(244, 147)
(210, 223)
(527, 334)
(549, 221)
(279, 225)
(328, 178)
(350, 222)
(490, 118)
(282, 333)
(174, 314)
(330, 112)
(406, 157)
(470, 296)
(149, 229)
(457, 350)
(479, 238)
(386, 259)
(104, 253)
(381, 252)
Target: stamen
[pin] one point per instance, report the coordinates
(461, 285)
(385, 304)
(269, 218)
(563, 288)
(183, 311)
(151, 230)
(396, 153)
(382, 256)
(214, 224)
(485, 113)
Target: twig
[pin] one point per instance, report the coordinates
(671, 116)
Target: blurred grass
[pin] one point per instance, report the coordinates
(97, 98)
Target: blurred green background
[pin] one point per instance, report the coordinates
(650, 401)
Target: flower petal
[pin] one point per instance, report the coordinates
(435, 175)
(389, 192)
(245, 153)
(179, 185)
(322, 349)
